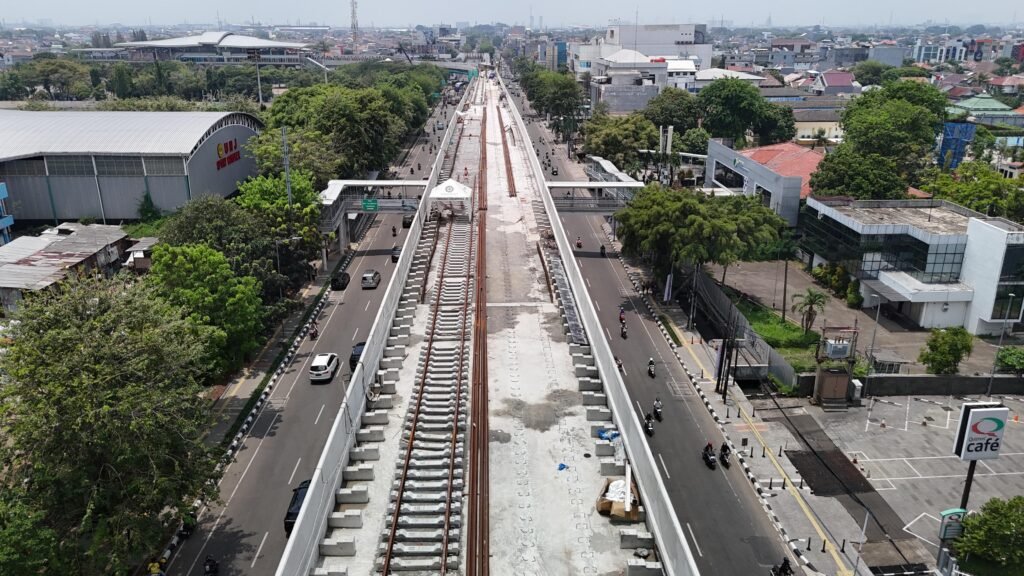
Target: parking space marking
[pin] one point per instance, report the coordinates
(915, 534)
(882, 488)
(909, 465)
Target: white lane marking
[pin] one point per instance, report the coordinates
(667, 475)
(231, 497)
(588, 282)
(292, 477)
(694, 538)
(318, 414)
(607, 333)
(367, 307)
(256, 557)
(641, 409)
(596, 305)
(354, 334)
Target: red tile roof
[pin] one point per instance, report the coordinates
(788, 159)
(917, 193)
(836, 78)
(1019, 110)
(1016, 80)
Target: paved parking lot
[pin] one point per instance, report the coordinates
(903, 445)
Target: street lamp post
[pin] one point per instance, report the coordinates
(1002, 332)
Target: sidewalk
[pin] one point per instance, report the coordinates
(819, 530)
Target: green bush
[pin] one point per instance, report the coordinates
(854, 299)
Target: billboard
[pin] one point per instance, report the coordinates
(980, 430)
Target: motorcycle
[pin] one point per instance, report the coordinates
(602, 250)
(709, 458)
(649, 426)
(783, 570)
(394, 232)
(618, 363)
(623, 331)
(723, 456)
(579, 244)
(650, 370)
(657, 411)
(211, 567)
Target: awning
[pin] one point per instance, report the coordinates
(884, 291)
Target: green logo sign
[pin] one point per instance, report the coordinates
(369, 204)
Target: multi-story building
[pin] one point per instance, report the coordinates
(627, 80)
(581, 56)
(890, 55)
(934, 263)
(933, 53)
(556, 57)
(683, 41)
(845, 56)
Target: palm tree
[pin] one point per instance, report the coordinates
(809, 304)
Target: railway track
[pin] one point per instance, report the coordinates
(424, 523)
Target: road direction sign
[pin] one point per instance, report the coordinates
(369, 204)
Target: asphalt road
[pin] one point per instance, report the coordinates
(728, 529)
(245, 532)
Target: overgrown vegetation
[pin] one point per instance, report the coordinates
(668, 328)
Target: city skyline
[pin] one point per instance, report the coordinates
(743, 13)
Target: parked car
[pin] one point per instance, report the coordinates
(407, 220)
(370, 279)
(323, 367)
(340, 281)
(295, 506)
(554, 171)
(357, 353)
(396, 253)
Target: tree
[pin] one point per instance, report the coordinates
(847, 172)
(1011, 358)
(682, 227)
(244, 238)
(869, 72)
(618, 138)
(693, 141)
(895, 129)
(774, 124)
(103, 423)
(200, 279)
(978, 186)
(310, 152)
(895, 74)
(121, 83)
(995, 533)
(730, 107)
(27, 544)
(809, 305)
(673, 107)
(945, 349)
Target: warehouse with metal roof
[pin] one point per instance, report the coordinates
(71, 165)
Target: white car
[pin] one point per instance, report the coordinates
(323, 367)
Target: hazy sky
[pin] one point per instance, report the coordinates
(564, 12)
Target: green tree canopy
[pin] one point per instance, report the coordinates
(673, 107)
(730, 107)
(978, 186)
(309, 151)
(200, 279)
(895, 74)
(102, 423)
(869, 72)
(617, 138)
(693, 141)
(995, 533)
(945, 349)
(1011, 358)
(774, 124)
(683, 227)
(894, 128)
(847, 172)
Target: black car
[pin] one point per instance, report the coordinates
(340, 281)
(295, 506)
(396, 253)
(407, 220)
(357, 353)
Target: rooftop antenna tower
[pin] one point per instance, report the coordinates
(355, 24)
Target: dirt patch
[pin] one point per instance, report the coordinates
(552, 323)
(542, 416)
(500, 436)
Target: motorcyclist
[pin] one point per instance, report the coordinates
(725, 448)
(657, 403)
(579, 241)
(394, 231)
(602, 249)
(622, 316)
(419, 166)
(785, 569)
(210, 565)
(618, 362)
(650, 363)
(708, 449)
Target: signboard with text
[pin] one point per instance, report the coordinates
(980, 430)
(228, 153)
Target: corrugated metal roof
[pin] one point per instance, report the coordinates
(33, 263)
(24, 133)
